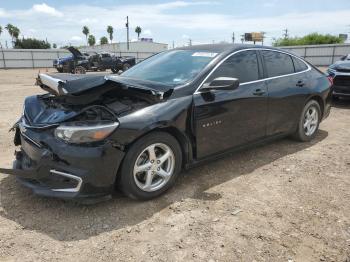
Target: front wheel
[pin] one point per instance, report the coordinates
(151, 166)
(309, 122)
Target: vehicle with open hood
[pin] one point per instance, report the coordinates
(179, 108)
(340, 73)
(80, 63)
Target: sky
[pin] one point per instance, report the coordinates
(169, 21)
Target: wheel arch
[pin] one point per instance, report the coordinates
(181, 137)
(319, 100)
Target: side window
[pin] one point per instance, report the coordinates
(299, 65)
(277, 63)
(243, 65)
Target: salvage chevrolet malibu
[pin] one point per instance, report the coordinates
(137, 131)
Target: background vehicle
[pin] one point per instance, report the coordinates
(81, 62)
(340, 73)
(174, 110)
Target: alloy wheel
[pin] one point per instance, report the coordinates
(310, 121)
(154, 167)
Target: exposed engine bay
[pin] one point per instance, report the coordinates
(92, 98)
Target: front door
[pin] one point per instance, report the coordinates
(227, 118)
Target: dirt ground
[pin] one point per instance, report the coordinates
(285, 201)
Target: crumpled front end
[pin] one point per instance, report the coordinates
(51, 167)
(67, 136)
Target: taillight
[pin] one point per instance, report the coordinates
(330, 79)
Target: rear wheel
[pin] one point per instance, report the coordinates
(114, 70)
(151, 166)
(309, 122)
(126, 67)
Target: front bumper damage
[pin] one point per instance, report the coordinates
(52, 168)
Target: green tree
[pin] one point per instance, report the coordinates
(310, 39)
(31, 43)
(103, 40)
(0, 34)
(86, 32)
(54, 45)
(13, 32)
(138, 31)
(110, 32)
(91, 40)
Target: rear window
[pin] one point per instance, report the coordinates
(299, 65)
(277, 63)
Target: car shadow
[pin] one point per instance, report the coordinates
(68, 221)
(342, 103)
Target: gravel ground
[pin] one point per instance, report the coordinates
(285, 201)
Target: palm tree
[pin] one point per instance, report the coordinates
(103, 40)
(86, 32)
(110, 32)
(138, 31)
(16, 32)
(0, 35)
(13, 32)
(91, 40)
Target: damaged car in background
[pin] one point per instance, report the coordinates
(80, 63)
(89, 133)
(340, 73)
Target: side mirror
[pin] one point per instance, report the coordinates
(222, 83)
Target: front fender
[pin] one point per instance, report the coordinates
(171, 113)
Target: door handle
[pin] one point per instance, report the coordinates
(300, 83)
(258, 92)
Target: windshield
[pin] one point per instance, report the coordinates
(172, 68)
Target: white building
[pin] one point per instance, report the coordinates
(140, 46)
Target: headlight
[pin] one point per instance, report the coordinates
(85, 132)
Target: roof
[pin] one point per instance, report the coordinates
(221, 48)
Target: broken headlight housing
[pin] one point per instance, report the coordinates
(85, 132)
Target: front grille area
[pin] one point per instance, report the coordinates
(345, 70)
(342, 81)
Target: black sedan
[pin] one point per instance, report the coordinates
(340, 73)
(172, 111)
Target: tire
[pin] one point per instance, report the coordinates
(133, 183)
(79, 70)
(126, 67)
(305, 134)
(59, 70)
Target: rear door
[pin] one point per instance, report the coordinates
(287, 85)
(228, 118)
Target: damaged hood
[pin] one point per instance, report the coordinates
(75, 52)
(341, 66)
(89, 97)
(68, 84)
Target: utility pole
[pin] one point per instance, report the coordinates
(127, 32)
(263, 37)
(285, 35)
(233, 37)
(190, 42)
(173, 44)
(242, 38)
